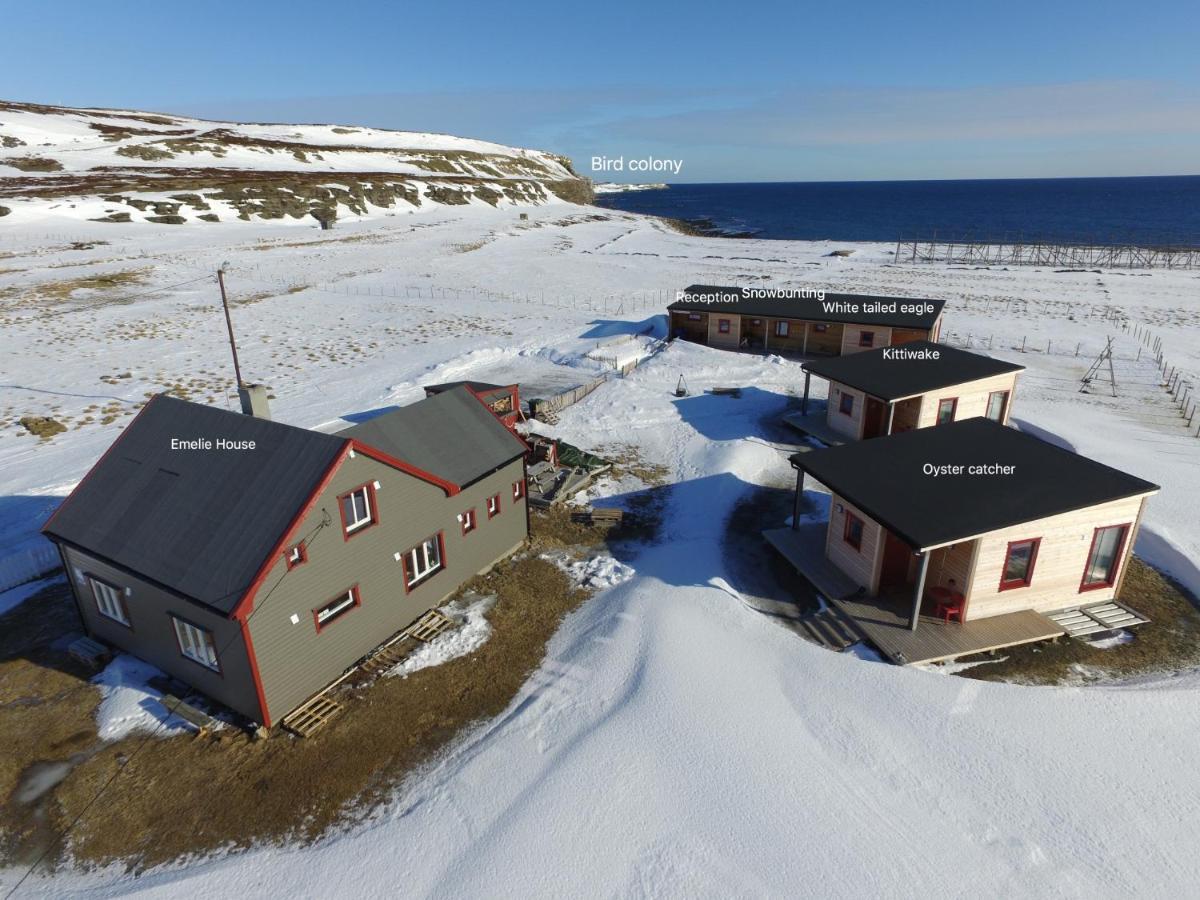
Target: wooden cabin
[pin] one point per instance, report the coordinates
(940, 538)
(792, 323)
(896, 389)
(504, 400)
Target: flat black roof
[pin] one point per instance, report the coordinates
(451, 435)
(885, 478)
(890, 373)
(197, 521)
(845, 308)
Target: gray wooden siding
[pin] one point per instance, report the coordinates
(294, 660)
(152, 635)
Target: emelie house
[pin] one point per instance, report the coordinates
(258, 576)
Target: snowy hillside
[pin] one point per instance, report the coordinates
(120, 166)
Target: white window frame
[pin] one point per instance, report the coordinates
(197, 644)
(469, 521)
(493, 506)
(110, 600)
(335, 608)
(518, 490)
(359, 523)
(423, 561)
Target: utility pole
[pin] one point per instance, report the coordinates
(237, 369)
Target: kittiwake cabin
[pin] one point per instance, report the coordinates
(257, 561)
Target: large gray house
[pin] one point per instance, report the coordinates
(257, 561)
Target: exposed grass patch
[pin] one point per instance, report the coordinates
(148, 152)
(1170, 642)
(184, 795)
(60, 291)
(33, 164)
(42, 426)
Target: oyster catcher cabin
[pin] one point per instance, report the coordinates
(796, 322)
(260, 570)
(971, 536)
(896, 389)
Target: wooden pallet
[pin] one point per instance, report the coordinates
(1086, 621)
(387, 656)
(306, 720)
(591, 516)
(90, 652)
(429, 626)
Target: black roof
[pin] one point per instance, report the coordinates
(451, 435)
(708, 298)
(889, 375)
(479, 387)
(884, 477)
(199, 522)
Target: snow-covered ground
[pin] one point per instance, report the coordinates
(674, 742)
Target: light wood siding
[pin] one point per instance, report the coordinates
(729, 340)
(972, 398)
(1065, 542)
(907, 414)
(849, 425)
(862, 565)
(950, 567)
(881, 337)
(295, 661)
(152, 635)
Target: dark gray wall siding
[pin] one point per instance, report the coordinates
(294, 660)
(152, 635)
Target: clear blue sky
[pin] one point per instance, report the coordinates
(745, 91)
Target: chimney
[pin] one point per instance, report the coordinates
(254, 400)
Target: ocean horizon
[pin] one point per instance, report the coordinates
(1151, 210)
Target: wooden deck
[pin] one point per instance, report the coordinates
(814, 425)
(804, 548)
(885, 623)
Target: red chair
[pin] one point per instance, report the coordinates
(949, 604)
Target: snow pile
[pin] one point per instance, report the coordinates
(129, 703)
(13, 597)
(596, 573)
(468, 637)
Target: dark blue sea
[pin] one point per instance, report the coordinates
(1157, 211)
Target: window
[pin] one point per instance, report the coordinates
(422, 561)
(694, 317)
(196, 644)
(337, 607)
(756, 321)
(820, 329)
(1104, 557)
(853, 531)
(945, 412)
(997, 401)
(295, 556)
(723, 326)
(109, 601)
(1019, 561)
(518, 490)
(846, 404)
(493, 506)
(781, 329)
(866, 339)
(358, 509)
(468, 521)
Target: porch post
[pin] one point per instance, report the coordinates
(919, 592)
(804, 402)
(796, 500)
(804, 347)
(891, 414)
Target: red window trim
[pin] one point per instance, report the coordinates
(866, 339)
(953, 401)
(88, 577)
(370, 486)
(353, 589)
(518, 490)
(842, 404)
(850, 518)
(723, 326)
(408, 589)
(1116, 569)
(287, 554)
(469, 516)
(1028, 579)
(219, 670)
(499, 509)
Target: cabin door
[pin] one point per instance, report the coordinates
(874, 418)
(896, 558)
